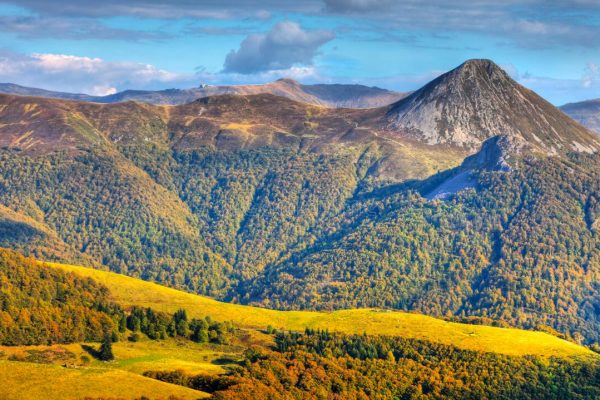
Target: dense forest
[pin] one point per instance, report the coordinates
(323, 365)
(522, 248)
(44, 305)
(266, 226)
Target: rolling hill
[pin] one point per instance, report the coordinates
(174, 367)
(130, 291)
(30, 381)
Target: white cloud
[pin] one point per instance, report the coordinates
(591, 75)
(83, 74)
(286, 45)
(96, 76)
(103, 90)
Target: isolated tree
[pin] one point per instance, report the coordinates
(105, 353)
(123, 323)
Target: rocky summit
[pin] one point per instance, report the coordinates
(479, 100)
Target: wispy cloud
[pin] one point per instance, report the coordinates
(218, 31)
(32, 27)
(591, 76)
(166, 9)
(357, 6)
(530, 24)
(561, 90)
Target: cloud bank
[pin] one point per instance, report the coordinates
(82, 74)
(528, 24)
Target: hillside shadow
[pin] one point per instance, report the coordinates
(91, 351)
(225, 361)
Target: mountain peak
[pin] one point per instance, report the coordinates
(482, 69)
(479, 63)
(288, 81)
(478, 100)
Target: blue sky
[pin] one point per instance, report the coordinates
(550, 46)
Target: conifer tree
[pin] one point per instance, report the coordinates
(106, 353)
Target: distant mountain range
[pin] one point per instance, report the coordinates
(334, 95)
(462, 109)
(473, 196)
(586, 113)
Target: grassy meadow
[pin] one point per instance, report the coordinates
(130, 291)
(36, 371)
(34, 381)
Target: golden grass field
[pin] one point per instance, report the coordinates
(121, 377)
(78, 375)
(138, 357)
(30, 381)
(130, 291)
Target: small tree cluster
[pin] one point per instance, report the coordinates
(157, 325)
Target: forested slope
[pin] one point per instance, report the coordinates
(263, 200)
(43, 305)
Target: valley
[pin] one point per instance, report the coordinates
(253, 236)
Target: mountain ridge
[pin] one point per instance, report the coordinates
(327, 95)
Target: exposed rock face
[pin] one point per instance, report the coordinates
(587, 113)
(478, 100)
(498, 153)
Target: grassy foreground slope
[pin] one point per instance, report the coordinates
(130, 291)
(30, 381)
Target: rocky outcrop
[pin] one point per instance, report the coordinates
(499, 153)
